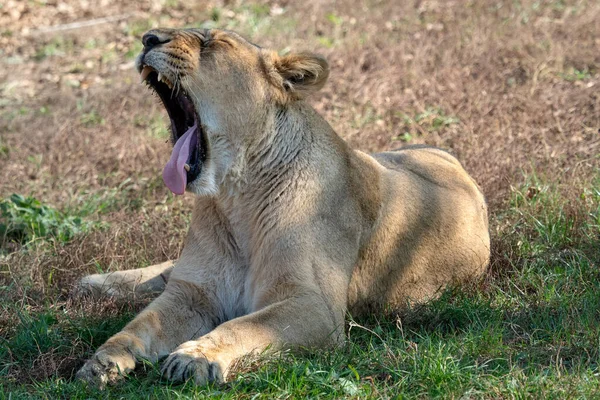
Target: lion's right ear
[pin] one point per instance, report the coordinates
(301, 73)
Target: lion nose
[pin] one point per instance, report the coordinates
(151, 39)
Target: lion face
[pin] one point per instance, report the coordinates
(219, 90)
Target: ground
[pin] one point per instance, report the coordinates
(512, 88)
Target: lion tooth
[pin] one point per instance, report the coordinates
(186, 167)
(160, 77)
(145, 72)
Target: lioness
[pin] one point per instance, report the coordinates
(291, 228)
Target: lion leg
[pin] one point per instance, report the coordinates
(183, 311)
(126, 284)
(297, 322)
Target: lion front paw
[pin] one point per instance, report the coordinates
(189, 361)
(105, 368)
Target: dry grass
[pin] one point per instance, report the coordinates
(510, 87)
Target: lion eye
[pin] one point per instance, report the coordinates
(204, 37)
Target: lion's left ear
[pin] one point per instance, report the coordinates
(301, 73)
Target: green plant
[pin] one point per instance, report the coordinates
(59, 46)
(155, 126)
(543, 220)
(92, 118)
(23, 219)
(134, 50)
(433, 119)
(4, 149)
(575, 74)
(138, 27)
(334, 19)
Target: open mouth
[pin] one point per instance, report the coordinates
(189, 141)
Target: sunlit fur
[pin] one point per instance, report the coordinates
(291, 228)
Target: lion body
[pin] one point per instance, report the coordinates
(296, 230)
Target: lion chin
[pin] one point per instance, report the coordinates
(291, 228)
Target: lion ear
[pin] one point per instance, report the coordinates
(302, 73)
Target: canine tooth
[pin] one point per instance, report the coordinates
(186, 167)
(160, 77)
(145, 72)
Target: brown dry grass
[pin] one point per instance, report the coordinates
(507, 86)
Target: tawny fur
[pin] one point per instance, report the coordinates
(291, 228)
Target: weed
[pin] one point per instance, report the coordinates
(259, 10)
(126, 196)
(91, 44)
(431, 120)
(4, 149)
(36, 160)
(109, 56)
(57, 47)
(542, 220)
(15, 113)
(247, 18)
(365, 118)
(138, 27)
(134, 50)
(334, 19)
(171, 3)
(405, 137)
(34, 336)
(38, 337)
(24, 219)
(326, 41)
(92, 118)
(155, 126)
(575, 74)
(215, 14)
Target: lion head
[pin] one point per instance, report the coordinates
(219, 91)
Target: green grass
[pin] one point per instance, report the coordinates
(248, 19)
(531, 329)
(4, 149)
(57, 47)
(576, 75)
(155, 126)
(432, 119)
(92, 118)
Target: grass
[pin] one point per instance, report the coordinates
(529, 330)
(509, 87)
(92, 118)
(4, 149)
(430, 120)
(576, 75)
(55, 48)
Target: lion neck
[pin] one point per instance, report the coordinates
(266, 148)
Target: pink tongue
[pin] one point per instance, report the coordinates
(174, 174)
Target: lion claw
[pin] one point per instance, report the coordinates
(94, 374)
(183, 364)
(100, 370)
